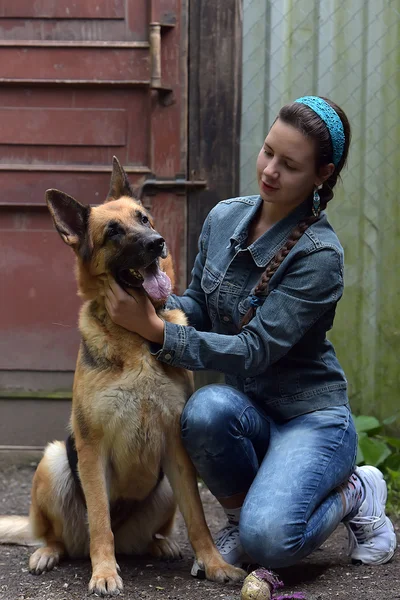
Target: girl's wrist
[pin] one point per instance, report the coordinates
(156, 333)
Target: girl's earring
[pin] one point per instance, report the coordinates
(316, 208)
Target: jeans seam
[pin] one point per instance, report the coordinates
(242, 437)
(264, 417)
(329, 462)
(309, 534)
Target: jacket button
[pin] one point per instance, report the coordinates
(167, 357)
(226, 319)
(248, 379)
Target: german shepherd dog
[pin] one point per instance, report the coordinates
(108, 489)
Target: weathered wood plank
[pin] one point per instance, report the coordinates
(214, 108)
(63, 126)
(63, 9)
(214, 115)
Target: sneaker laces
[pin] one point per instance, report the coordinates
(228, 538)
(358, 533)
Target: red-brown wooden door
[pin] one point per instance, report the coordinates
(80, 81)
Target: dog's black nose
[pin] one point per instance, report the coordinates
(155, 244)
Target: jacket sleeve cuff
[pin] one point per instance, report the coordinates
(174, 344)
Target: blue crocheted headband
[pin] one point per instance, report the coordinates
(332, 121)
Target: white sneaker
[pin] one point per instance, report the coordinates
(228, 544)
(372, 539)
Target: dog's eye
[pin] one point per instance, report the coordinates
(114, 230)
(145, 219)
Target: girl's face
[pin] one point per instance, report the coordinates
(286, 172)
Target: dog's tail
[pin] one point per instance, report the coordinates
(17, 530)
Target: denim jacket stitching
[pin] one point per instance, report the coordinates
(181, 342)
(335, 293)
(250, 200)
(308, 394)
(212, 268)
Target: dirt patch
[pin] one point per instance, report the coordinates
(326, 574)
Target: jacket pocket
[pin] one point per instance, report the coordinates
(288, 380)
(209, 284)
(209, 281)
(244, 306)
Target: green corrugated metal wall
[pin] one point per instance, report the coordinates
(348, 51)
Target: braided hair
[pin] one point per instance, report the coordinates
(312, 126)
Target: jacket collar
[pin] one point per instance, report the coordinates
(240, 234)
(267, 245)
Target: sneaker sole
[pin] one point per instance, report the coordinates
(380, 483)
(197, 571)
(388, 556)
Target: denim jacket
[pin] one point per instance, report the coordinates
(281, 359)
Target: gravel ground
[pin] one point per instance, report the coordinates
(326, 574)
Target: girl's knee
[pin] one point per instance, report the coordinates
(271, 541)
(206, 410)
(206, 419)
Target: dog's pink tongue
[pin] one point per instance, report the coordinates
(157, 285)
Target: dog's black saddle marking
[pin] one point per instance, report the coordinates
(87, 357)
(121, 510)
(92, 361)
(72, 456)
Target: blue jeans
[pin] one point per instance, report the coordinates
(288, 471)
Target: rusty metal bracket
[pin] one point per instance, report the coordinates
(22, 205)
(165, 94)
(179, 184)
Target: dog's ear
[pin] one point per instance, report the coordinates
(70, 217)
(120, 185)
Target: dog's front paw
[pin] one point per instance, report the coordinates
(105, 582)
(222, 572)
(43, 559)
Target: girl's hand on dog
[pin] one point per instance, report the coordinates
(133, 311)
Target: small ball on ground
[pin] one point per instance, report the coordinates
(256, 587)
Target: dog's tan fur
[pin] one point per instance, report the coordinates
(126, 422)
